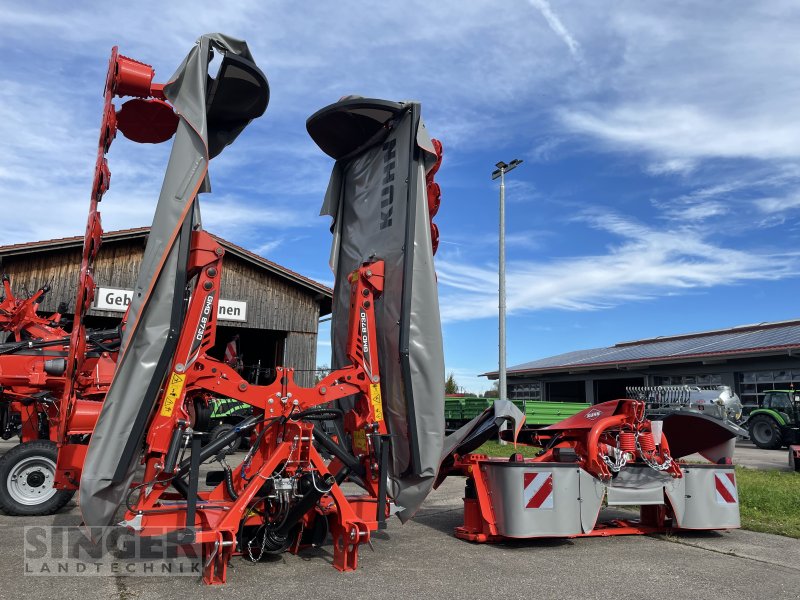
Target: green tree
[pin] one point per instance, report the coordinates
(494, 392)
(450, 385)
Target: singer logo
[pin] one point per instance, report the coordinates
(593, 414)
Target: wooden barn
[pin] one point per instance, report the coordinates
(274, 311)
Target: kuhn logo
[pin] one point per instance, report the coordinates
(593, 414)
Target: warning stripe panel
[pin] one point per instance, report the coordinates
(538, 489)
(725, 487)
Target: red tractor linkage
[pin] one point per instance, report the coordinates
(284, 492)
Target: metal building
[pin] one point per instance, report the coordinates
(274, 311)
(751, 359)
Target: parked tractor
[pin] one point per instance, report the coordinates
(776, 423)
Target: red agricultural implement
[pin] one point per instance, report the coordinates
(606, 455)
(284, 495)
(33, 363)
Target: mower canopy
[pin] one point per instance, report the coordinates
(212, 112)
(377, 198)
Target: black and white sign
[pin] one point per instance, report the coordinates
(117, 300)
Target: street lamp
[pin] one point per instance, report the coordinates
(502, 169)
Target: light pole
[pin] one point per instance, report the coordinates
(502, 169)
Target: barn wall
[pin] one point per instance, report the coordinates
(272, 303)
(301, 354)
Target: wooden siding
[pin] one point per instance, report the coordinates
(301, 354)
(272, 303)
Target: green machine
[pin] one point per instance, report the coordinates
(226, 414)
(776, 423)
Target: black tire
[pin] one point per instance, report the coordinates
(221, 430)
(26, 480)
(765, 432)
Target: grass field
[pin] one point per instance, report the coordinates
(769, 500)
(495, 449)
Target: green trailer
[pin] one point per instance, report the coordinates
(460, 409)
(539, 414)
(453, 409)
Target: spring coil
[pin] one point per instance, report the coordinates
(627, 441)
(646, 442)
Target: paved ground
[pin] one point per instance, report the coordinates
(422, 559)
(748, 455)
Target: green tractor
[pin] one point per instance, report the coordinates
(776, 423)
(225, 415)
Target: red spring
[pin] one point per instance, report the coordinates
(627, 441)
(647, 442)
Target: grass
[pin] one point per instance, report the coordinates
(769, 501)
(495, 449)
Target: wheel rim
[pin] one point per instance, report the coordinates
(232, 446)
(762, 432)
(30, 482)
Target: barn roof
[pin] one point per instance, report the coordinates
(324, 292)
(736, 342)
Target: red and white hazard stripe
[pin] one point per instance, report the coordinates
(538, 489)
(725, 487)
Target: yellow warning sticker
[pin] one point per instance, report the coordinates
(360, 441)
(174, 390)
(375, 398)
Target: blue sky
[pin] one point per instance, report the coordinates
(660, 191)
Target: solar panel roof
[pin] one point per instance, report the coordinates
(748, 339)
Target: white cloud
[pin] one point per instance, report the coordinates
(558, 28)
(681, 133)
(778, 205)
(645, 263)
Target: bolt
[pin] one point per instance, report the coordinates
(219, 251)
(375, 379)
(270, 401)
(369, 273)
(208, 285)
(323, 390)
(295, 402)
(212, 272)
(180, 368)
(242, 386)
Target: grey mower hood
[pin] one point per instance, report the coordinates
(378, 201)
(212, 112)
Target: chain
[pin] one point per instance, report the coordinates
(263, 545)
(620, 459)
(650, 462)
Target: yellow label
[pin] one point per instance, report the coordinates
(173, 394)
(360, 440)
(375, 398)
